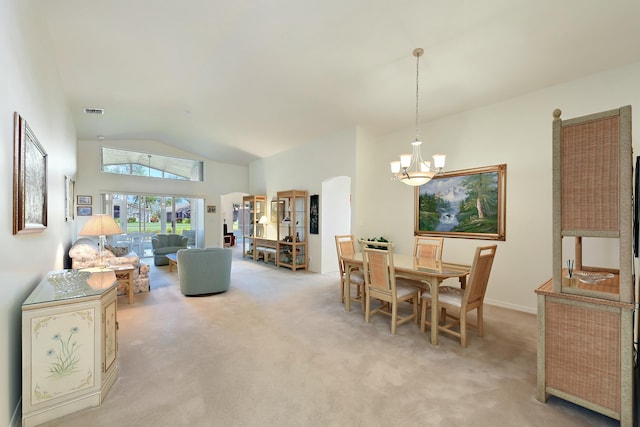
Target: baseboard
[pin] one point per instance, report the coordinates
(16, 418)
(511, 306)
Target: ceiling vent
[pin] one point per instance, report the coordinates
(93, 110)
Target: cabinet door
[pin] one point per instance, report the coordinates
(110, 334)
(60, 353)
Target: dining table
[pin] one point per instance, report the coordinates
(431, 274)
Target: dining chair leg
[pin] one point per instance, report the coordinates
(423, 318)
(480, 321)
(394, 317)
(342, 285)
(463, 328)
(416, 302)
(367, 309)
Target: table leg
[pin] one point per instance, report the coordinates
(435, 321)
(347, 289)
(130, 286)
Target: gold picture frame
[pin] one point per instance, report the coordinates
(29, 180)
(468, 203)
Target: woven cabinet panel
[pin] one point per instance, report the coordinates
(582, 356)
(590, 175)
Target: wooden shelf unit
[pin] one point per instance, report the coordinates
(292, 230)
(253, 208)
(585, 331)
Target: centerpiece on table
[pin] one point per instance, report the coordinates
(377, 239)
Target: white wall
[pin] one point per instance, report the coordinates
(30, 86)
(516, 132)
(335, 218)
(220, 178)
(304, 168)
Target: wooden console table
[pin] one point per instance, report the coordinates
(265, 249)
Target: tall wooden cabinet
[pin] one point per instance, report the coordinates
(69, 346)
(292, 229)
(585, 317)
(254, 208)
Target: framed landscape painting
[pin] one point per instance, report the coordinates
(29, 180)
(468, 203)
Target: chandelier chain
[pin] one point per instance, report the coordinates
(417, 92)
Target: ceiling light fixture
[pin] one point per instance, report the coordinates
(411, 169)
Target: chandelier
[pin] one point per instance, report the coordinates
(411, 169)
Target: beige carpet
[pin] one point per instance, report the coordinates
(278, 349)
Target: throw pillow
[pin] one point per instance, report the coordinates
(117, 251)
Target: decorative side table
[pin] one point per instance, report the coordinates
(69, 344)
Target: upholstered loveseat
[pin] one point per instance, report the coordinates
(84, 254)
(164, 244)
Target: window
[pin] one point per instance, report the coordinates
(152, 165)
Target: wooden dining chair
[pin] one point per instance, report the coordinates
(427, 249)
(462, 301)
(427, 252)
(381, 283)
(346, 246)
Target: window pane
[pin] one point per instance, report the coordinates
(143, 164)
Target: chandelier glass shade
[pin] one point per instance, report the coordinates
(411, 169)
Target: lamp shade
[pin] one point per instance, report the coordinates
(101, 279)
(100, 225)
(263, 220)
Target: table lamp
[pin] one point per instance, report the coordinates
(264, 221)
(100, 225)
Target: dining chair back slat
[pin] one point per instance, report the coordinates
(427, 250)
(479, 275)
(381, 274)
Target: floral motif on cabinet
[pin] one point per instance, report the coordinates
(63, 354)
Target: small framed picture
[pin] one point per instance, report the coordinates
(84, 211)
(84, 200)
(211, 208)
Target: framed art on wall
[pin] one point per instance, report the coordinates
(84, 200)
(468, 203)
(84, 211)
(314, 214)
(29, 180)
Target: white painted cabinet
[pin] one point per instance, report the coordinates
(69, 347)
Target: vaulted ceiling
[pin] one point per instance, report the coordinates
(238, 80)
